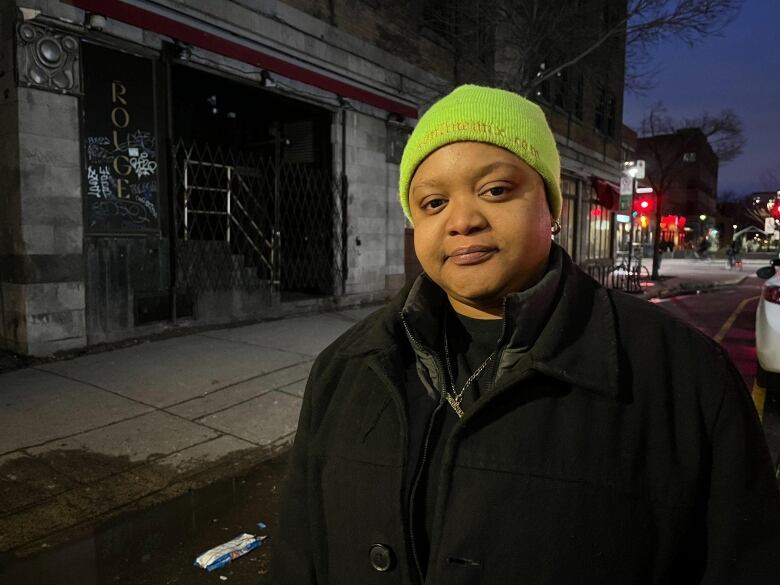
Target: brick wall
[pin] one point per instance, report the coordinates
(375, 245)
(9, 173)
(41, 273)
(43, 288)
(395, 27)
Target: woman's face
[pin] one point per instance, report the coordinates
(481, 225)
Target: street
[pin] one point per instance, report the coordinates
(728, 315)
(711, 313)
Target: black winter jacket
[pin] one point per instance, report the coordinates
(622, 448)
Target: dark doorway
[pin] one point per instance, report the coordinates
(255, 197)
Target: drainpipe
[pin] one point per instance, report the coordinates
(166, 93)
(344, 197)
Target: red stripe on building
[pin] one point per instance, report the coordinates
(170, 27)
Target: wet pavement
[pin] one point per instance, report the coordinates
(94, 446)
(158, 545)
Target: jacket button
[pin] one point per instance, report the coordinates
(381, 557)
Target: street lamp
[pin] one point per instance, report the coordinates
(635, 169)
(702, 217)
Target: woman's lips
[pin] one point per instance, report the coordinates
(470, 255)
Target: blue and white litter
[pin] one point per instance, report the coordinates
(221, 555)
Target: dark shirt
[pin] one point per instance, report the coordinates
(471, 341)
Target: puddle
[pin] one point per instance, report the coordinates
(158, 545)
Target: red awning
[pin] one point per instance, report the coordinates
(607, 193)
(200, 33)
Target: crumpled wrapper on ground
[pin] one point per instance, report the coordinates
(221, 555)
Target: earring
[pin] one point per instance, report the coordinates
(555, 228)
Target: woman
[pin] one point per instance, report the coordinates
(505, 419)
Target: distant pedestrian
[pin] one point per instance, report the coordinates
(505, 419)
(703, 249)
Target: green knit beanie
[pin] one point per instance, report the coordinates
(471, 113)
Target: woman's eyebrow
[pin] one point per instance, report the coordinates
(427, 183)
(481, 172)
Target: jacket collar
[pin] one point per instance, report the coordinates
(577, 344)
(525, 312)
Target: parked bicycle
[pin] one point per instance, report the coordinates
(733, 261)
(628, 279)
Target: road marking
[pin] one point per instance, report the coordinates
(759, 397)
(730, 321)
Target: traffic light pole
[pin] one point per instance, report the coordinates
(657, 239)
(631, 225)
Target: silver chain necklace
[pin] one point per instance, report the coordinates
(455, 400)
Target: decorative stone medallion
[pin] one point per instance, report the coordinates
(47, 59)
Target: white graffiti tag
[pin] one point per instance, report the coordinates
(93, 181)
(100, 182)
(106, 182)
(142, 166)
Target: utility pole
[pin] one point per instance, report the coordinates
(656, 238)
(636, 170)
(631, 224)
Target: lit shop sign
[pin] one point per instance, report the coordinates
(672, 222)
(620, 218)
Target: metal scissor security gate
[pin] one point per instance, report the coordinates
(248, 222)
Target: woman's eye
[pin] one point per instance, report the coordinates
(433, 203)
(497, 191)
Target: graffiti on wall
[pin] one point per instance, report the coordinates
(121, 166)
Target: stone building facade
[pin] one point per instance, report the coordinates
(186, 162)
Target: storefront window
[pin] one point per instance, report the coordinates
(598, 243)
(568, 219)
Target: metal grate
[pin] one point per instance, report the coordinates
(247, 222)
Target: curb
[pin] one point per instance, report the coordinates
(693, 288)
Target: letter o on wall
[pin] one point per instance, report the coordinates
(124, 115)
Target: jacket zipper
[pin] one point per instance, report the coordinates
(421, 464)
(415, 484)
(500, 353)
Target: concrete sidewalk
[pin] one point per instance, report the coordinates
(670, 286)
(86, 439)
(686, 276)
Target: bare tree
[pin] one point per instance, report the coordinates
(751, 207)
(537, 40)
(665, 160)
(742, 209)
(723, 132)
(757, 213)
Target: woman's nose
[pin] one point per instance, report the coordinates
(464, 216)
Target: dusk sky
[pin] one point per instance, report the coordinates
(740, 70)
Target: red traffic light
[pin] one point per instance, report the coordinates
(644, 203)
(776, 209)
